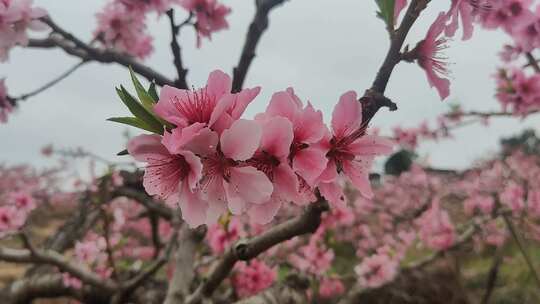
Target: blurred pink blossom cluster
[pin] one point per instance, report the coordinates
(518, 92)
(22, 189)
(213, 161)
(16, 18)
(122, 23)
(251, 277)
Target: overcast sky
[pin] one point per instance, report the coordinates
(320, 47)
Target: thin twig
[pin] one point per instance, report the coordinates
(492, 275)
(176, 50)
(51, 83)
(258, 26)
(532, 62)
(76, 47)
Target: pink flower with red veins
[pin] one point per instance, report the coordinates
(210, 16)
(436, 229)
(252, 277)
(374, 271)
(5, 104)
(350, 150)
(213, 106)
(228, 178)
(429, 57)
(307, 157)
(171, 173)
(272, 159)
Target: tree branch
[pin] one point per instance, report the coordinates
(371, 104)
(53, 258)
(532, 62)
(76, 47)
(176, 51)
(50, 83)
(258, 26)
(249, 249)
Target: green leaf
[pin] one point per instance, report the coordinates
(386, 12)
(152, 91)
(144, 96)
(139, 111)
(134, 122)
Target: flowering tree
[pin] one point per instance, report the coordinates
(280, 208)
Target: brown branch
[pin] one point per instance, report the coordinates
(371, 105)
(258, 26)
(184, 265)
(246, 250)
(141, 197)
(176, 50)
(53, 258)
(76, 47)
(492, 275)
(41, 286)
(532, 62)
(108, 245)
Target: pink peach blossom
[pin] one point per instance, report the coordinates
(212, 105)
(429, 58)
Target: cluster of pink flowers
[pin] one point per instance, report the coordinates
(123, 27)
(16, 18)
(21, 191)
(518, 92)
(213, 160)
(210, 16)
(252, 277)
(5, 104)
(122, 23)
(376, 270)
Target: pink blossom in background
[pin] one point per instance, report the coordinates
(70, 281)
(252, 277)
(436, 229)
(463, 10)
(430, 59)
(11, 219)
(123, 30)
(221, 236)
(533, 203)
(376, 270)
(513, 196)
(482, 203)
(23, 201)
(330, 288)
(5, 104)
(508, 14)
(210, 15)
(16, 18)
(313, 258)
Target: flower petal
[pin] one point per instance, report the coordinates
(241, 140)
(347, 115)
